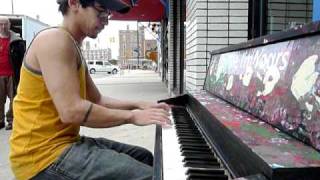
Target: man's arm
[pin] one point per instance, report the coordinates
(57, 58)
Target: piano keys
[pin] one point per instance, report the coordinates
(184, 143)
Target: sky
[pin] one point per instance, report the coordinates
(47, 10)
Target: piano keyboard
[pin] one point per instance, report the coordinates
(186, 154)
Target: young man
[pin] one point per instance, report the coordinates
(12, 49)
(56, 95)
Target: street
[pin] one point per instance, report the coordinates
(126, 85)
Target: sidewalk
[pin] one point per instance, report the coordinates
(127, 85)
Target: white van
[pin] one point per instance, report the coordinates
(102, 66)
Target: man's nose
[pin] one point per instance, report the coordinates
(104, 18)
(105, 22)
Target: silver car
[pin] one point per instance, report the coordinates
(102, 66)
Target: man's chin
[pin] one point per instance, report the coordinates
(95, 34)
(94, 37)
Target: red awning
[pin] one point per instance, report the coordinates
(144, 10)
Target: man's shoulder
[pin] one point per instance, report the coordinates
(53, 34)
(52, 38)
(52, 43)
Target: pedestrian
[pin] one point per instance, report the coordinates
(12, 49)
(56, 96)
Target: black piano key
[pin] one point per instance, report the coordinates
(185, 126)
(187, 131)
(190, 137)
(218, 170)
(187, 134)
(200, 157)
(209, 177)
(195, 144)
(200, 161)
(202, 165)
(206, 172)
(195, 134)
(189, 147)
(182, 141)
(203, 174)
(192, 152)
(181, 135)
(201, 178)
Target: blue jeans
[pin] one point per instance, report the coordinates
(6, 90)
(99, 158)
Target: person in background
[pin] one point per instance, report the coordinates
(56, 96)
(12, 49)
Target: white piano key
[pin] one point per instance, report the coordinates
(173, 168)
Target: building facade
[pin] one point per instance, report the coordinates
(97, 54)
(131, 44)
(150, 44)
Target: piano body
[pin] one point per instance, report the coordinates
(258, 116)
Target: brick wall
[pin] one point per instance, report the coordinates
(210, 25)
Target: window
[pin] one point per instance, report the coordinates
(99, 63)
(107, 64)
(267, 17)
(287, 14)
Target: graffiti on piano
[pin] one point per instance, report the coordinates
(279, 83)
(272, 145)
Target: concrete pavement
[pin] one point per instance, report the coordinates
(127, 85)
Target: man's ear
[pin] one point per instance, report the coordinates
(74, 4)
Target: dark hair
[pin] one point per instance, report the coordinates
(64, 6)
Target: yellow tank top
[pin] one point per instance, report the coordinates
(38, 136)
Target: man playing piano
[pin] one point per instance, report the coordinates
(56, 96)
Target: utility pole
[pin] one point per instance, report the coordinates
(138, 44)
(12, 12)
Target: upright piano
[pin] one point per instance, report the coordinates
(257, 117)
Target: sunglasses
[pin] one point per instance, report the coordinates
(103, 14)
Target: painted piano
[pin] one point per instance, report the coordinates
(257, 117)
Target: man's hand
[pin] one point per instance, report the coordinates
(148, 105)
(150, 116)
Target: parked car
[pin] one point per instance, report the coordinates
(102, 66)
